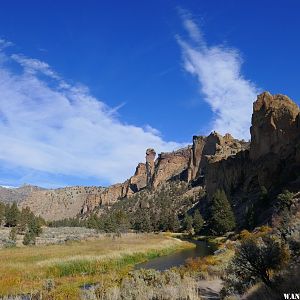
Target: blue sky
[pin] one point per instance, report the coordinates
(87, 86)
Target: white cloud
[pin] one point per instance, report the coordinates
(63, 130)
(34, 66)
(4, 44)
(218, 70)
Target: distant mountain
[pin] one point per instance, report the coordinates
(9, 194)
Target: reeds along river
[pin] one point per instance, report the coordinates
(178, 258)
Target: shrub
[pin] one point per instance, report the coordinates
(149, 285)
(284, 200)
(256, 259)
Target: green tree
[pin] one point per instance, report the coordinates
(146, 225)
(12, 214)
(2, 213)
(13, 234)
(188, 223)
(173, 223)
(198, 222)
(29, 238)
(24, 218)
(33, 230)
(222, 218)
(122, 221)
(34, 227)
(92, 221)
(284, 200)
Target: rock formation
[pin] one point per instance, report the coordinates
(211, 149)
(60, 203)
(272, 160)
(150, 158)
(170, 166)
(275, 124)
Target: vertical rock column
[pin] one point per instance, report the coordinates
(150, 158)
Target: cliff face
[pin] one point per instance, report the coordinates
(273, 160)
(170, 166)
(212, 148)
(60, 203)
(275, 125)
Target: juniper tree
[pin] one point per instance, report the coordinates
(13, 234)
(188, 223)
(222, 218)
(2, 212)
(25, 216)
(12, 214)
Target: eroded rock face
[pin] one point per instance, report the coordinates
(275, 124)
(209, 149)
(273, 160)
(139, 180)
(61, 203)
(184, 164)
(150, 158)
(170, 165)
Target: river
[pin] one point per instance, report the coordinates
(178, 258)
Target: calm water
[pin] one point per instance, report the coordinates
(178, 258)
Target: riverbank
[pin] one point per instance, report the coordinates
(60, 270)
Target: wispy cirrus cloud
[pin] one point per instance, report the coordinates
(61, 130)
(223, 86)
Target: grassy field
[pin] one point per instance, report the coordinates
(69, 266)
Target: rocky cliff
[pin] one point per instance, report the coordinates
(272, 161)
(275, 125)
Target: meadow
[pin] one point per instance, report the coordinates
(59, 271)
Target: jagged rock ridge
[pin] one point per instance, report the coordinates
(212, 162)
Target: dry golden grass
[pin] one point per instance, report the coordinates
(24, 270)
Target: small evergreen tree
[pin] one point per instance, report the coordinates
(188, 223)
(198, 222)
(92, 221)
(25, 216)
(12, 214)
(284, 200)
(173, 223)
(34, 227)
(2, 213)
(122, 221)
(13, 234)
(146, 225)
(29, 238)
(222, 218)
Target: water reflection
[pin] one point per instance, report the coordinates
(178, 258)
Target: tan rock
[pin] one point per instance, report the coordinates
(170, 165)
(150, 158)
(275, 124)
